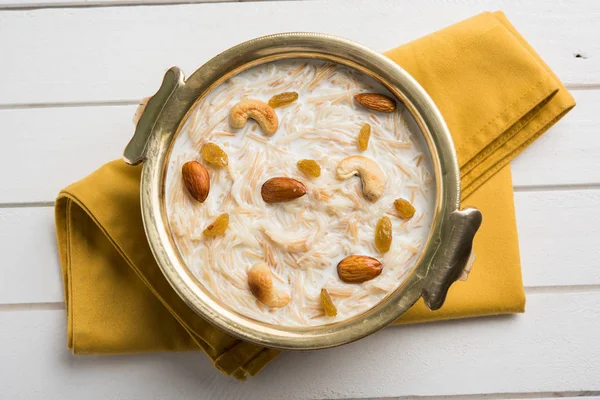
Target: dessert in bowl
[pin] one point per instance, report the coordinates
(301, 191)
(351, 164)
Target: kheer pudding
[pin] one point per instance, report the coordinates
(299, 192)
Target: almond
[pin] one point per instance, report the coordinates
(281, 189)
(358, 269)
(376, 102)
(196, 180)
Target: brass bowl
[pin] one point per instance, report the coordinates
(448, 248)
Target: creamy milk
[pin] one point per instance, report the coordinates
(302, 240)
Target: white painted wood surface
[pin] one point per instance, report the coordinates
(88, 136)
(553, 227)
(120, 53)
(492, 355)
(69, 81)
(33, 4)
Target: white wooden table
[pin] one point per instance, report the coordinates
(71, 74)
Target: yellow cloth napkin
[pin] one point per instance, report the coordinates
(496, 95)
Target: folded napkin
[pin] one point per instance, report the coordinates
(496, 95)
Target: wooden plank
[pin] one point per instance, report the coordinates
(30, 268)
(52, 147)
(26, 4)
(518, 354)
(558, 237)
(116, 53)
(568, 153)
(558, 233)
(23, 4)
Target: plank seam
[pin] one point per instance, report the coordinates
(75, 104)
(559, 289)
(135, 102)
(557, 187)
(32, 204)
(495, 396)
(117, 3)
(517, 188)
(16, 307)
(67, 5)
(529, 290)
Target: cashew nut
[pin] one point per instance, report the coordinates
(371, 175)
(261, 286)
(258, 111)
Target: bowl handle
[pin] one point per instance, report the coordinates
(148, 113)
(453, 257)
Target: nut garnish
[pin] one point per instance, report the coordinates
(261, 112)
(213, 154)
(283, 99)
(376, 102)
(327, 303)
(218, 227)
(371, 175)
(196, 180)
(281, 189)
(383, 235)
(363, 137)
(310, 168)
(261, 286)
(404, 208)
(358, 269)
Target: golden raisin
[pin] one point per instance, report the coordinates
(363, 137)
(404, 208)
(213, 154)
(327, 304)
(310, 168)
(218, 227)
(283, 99)
(383, 235)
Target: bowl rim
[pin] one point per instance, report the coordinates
(169, 122)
